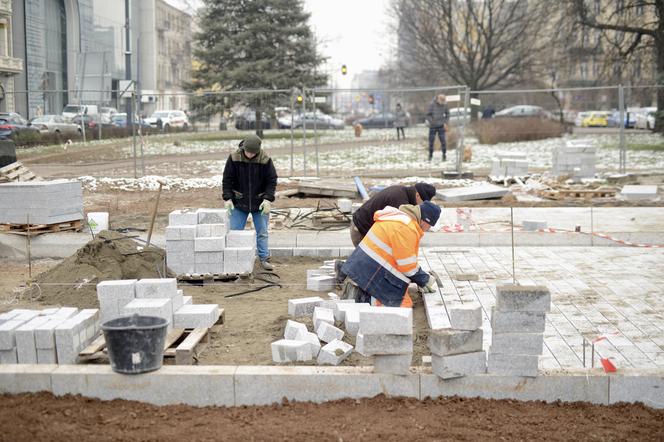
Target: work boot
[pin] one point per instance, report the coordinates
(444, 157)
(266, 265)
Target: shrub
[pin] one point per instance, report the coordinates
(503, 130)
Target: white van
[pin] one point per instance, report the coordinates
(72, 110)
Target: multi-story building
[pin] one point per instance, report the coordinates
(9, 66)
(73, 51)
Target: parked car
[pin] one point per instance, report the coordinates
(319, 119)
(613, 119)
(457, 115)
(247, 120)
(578, 120)
(54, 124)
(107, 112)
(596, 119)
(650, 120)
(120, 120)
(380, 120)
(641, 118)
(523, 111)
(90, 122)
(72, 110)
(12, 124)
(169, 119)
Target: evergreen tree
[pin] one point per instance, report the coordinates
(253, 44)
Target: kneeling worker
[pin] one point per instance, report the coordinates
(385, 262)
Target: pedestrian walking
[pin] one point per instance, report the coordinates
(437, 117)
(400, 120)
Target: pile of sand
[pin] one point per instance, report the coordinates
(110, 255)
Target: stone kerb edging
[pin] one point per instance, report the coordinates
(262, 385)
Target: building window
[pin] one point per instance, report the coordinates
(4, 44)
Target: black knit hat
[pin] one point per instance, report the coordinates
(430, 212)
(426, 191)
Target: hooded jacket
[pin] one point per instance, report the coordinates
(385, 262)
(438, 114)
(393, 196)
(247, 182)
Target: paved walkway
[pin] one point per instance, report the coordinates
(612, 292)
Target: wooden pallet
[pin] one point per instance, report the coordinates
(182, 346)
(209, 277)
(36, 229)
(577, 193)
(17, 172)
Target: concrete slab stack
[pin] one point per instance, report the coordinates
(576, 159)
(639, 192)
(199, 241)
(386, 333)
(509, 164)
(36, 336)
(154, 297)
(322, 278)
(518, 320)
(45, 202)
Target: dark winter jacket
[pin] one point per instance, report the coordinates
(247, 182)
(393, 196)
(438, 114)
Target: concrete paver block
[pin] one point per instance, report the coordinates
(265, 385)
(352, 321)
(466, 316)
(212, 216)
(639, 192)
(286, 350)
(187, 300)
(312, 341)
(241, 238)
(8, 334)
(369, 345)
(450, 342)
(293, 328)
(321, 283)
(210, 230)
(156, 288)
(334, 352)
(182, 218)
(303, 306)
(454, 366)
(327, 332)
(522, 298)
(196, 316)
(25, 340)
(115, 289)
(483, 191)
(45, 333)
(343, 305)
(513, 365)
(517, 322)
(212, 244)
(170, 385)
(160, 307)
(67, 341)
(517, 343)
(386, 320)
(534, 224)
(392, 364)
(46, 356)
(180, 233)
(322, 315)
(8, 356)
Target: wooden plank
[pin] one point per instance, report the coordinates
(185, 352)
(95, 346)
(10, 167)
(172, 336)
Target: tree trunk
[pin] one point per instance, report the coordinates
(259, 123)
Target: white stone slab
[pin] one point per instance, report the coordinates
(449, 342)
(369, 345)
(392, 364)
(484, 191)
(465, 316)
(639, 192)
(386, 320)
(513, 365)
(522, 298)
(334, 352)
(156, 288)
(517, 343)
(293, 328)
(517, 322)
(344, 305)
(184, 217)
(454, 366)
(303, 306)
(322, 315)
(241, 238)
(287, 350)
(196, 316)
(327, 332)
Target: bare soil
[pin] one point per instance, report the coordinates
(30, 417)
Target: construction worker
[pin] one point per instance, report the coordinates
(393, 196)
(385, 262)
(248, 186)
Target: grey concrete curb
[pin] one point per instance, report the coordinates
(261, 385)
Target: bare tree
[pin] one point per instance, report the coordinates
(642, 22)
(481, 44)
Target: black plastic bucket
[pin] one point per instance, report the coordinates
(135, 343)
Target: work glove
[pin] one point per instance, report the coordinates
(265, 207)
(428, 288)
(229, 206)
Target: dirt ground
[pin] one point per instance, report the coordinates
(29, 417)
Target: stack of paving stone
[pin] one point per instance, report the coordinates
(386, 333)
(199, 241)
(518, 321)
(509, 164)
(576, 159)
(154, 297)
(51, 336)
(322, 278)
(457, 352)
(299, 344)
(44, 202)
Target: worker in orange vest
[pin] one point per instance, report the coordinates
(385, 262)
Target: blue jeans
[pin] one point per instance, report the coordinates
(239, 220)
(441, 136)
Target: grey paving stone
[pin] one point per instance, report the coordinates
(322, 315)
(521, 298)
(448, 342)
(517, 343)
(293, 328)
(454, 366)
(303, 306)
(327, 332)
(513, 365)
(285, 350)
(392, 364)
(386, 320)
(465, 317)
(182, 218)
(196, 316)
(369, 345)
(334, 352)
(517, 322)
(156, 288)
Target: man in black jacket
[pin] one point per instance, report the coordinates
(248, 186)
(393, 196)
(437, 117)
